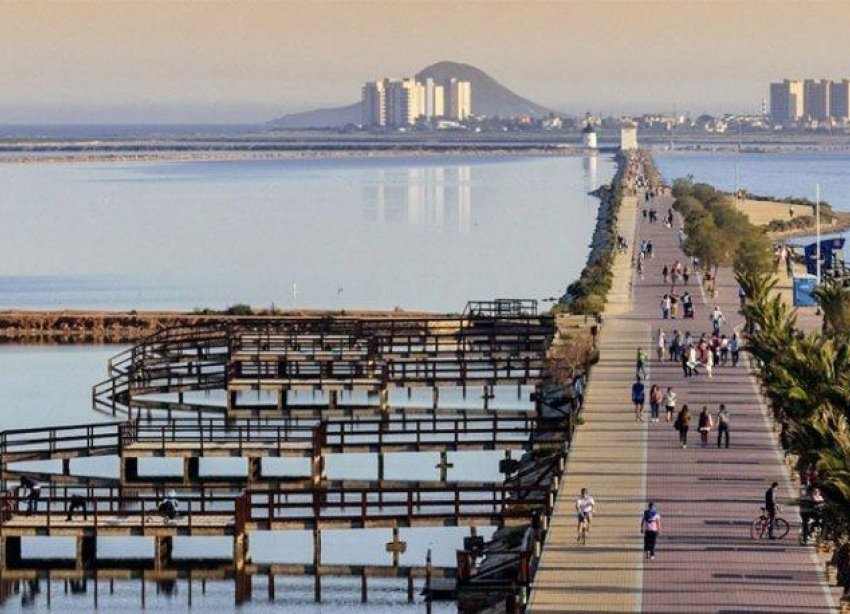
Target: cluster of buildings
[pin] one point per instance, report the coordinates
(795, 101)
(397, 103)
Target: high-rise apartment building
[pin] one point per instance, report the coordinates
(431, 99)
(458, 99)
(373, 104)
(839, 99)
(786, 101)
(816, 98)
(401, 102)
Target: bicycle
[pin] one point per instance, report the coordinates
(760, 527)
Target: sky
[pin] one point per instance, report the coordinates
(113, 61)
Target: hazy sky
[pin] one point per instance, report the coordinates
(247, 61)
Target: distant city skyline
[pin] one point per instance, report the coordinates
(250, 61)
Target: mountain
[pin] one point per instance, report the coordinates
(489, 97)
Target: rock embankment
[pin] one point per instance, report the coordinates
(72, 327)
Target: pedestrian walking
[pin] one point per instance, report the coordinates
(665, 274)
(650, 526)
(661, 344)
(640, 362)
(674, 305)
(656, 397)
(638, 398)
(683, 425)
(735, 349)
(670, 403)
(649, 251)
(675, 345)
(722, 425)
(716, 318)
(704, 425)
(686, 274)
(665, 307)
(724, 350)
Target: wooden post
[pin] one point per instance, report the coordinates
(162, 551)
(317, 563)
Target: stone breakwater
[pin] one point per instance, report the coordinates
(71, 327)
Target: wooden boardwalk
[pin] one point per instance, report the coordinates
(707, 497)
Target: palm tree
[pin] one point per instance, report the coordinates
(834, 301)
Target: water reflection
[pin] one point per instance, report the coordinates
(591, 176)
(439, 197)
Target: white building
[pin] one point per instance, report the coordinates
(628, 136)
(402, 102)
(458, 99)
(589, 137)
(373, 104)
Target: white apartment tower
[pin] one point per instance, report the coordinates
(373, 104)
(402, 102)
(431, 99)
(628, 135)
(458, 99)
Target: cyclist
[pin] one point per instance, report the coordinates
(584, 509)
(770, 508)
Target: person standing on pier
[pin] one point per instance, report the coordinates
(650, 526)
(770, 508)
(661, 345)
(33, 493)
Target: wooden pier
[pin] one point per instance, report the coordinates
(480, 348)
(495, 343)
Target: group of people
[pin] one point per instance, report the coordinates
(705, 423)
(670, 302)
(699, 354)
(676, 272)
(29, 490)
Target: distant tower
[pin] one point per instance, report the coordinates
(589, 136)
(628, 135)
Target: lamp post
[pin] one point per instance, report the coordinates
(817, 231)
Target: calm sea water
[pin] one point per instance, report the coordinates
(780, 175)
(421, 233)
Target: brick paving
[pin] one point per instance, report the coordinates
(707, 497)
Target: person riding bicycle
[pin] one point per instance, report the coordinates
(770, 508)
(584, 509)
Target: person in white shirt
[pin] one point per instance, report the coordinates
(584, 511)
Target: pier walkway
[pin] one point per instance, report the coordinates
(707, 497)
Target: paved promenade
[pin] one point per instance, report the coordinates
(707, 496)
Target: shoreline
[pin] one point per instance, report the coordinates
(73, 327)
(354, 153)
